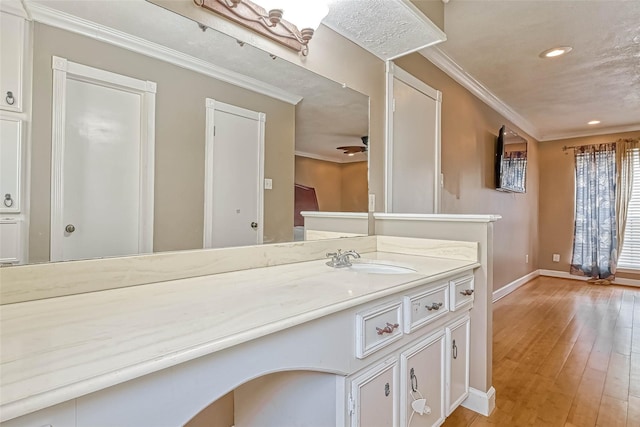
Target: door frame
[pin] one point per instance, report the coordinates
(395, 72)
(64, 70)
(211, 106)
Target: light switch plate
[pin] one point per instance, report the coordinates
(268, 184)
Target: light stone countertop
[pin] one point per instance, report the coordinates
(57, 349)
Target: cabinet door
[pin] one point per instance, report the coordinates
(457, 363)
(10, 149)
(422, 371)
(11, 67)
(10, 241)
(374, 396)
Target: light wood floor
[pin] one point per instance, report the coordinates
(565, 353)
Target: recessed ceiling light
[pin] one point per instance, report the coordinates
(593, 122)
(555, 51)
(351, 154)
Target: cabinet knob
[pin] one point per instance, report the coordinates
(9, 98)
(70, 228)
(254, 225)
(387, 329)
(8, 201)
(434, 306)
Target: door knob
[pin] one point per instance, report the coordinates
(254, 225)
(70, 228)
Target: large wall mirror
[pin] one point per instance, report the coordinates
(305, 118)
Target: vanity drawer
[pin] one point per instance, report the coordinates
(377, 328)
(461, 291)
(423, 307)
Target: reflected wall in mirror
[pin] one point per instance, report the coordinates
(511, 161)
(304, 113)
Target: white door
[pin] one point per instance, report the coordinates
(100, 206)
(413, 145)
(234, 175)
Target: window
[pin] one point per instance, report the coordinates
(630, 255)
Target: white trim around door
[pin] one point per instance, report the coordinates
(211, 106)
(64, 70)
(395, 72)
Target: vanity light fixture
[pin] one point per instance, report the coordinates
(555, 52)
(269, 21)
(594, 122)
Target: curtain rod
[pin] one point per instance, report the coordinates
(566, 147)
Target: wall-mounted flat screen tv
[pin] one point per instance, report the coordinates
(511, 161)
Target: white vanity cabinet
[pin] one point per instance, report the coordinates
(432, 361)
(12, 44)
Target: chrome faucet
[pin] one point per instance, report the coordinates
(341, 259)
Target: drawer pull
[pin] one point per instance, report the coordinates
(466, 292)
(454, 350)
(9, 98)
(8, 201)
(434, 306)
(387, 329)
(387, 390)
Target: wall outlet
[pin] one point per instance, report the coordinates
(268, 184)
(526, 259)
(372, 202)
(556, 257)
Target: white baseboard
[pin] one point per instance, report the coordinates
(507, 289)
(481, 402)
(566, 275)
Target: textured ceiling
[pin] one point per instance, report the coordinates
(386, 28)
(498, 43)
(328, 115)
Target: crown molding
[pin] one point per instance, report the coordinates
(14, 7)
(595, 132)
(65, 21)
(453, 70)
(327, 158)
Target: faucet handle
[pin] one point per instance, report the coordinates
(331, 254)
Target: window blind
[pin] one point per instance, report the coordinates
(630, 255)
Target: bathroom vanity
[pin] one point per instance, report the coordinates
(301, 343)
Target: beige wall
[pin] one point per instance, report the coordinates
(340, 187)
(557, 187)
(433, 9)
(180, 141)
(354, 187)
(469, 132)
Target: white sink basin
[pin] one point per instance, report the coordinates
(380, 268)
